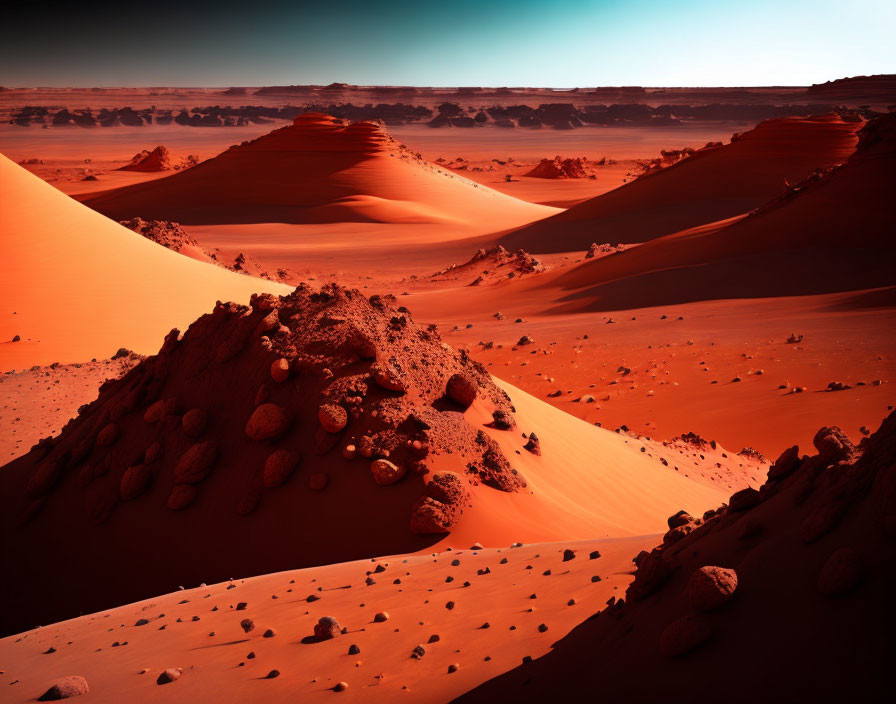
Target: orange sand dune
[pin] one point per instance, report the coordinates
(713, 184)
(320, 169)
(76, 285)
(831, 233)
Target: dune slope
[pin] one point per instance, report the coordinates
(713, 184)
(320, 169)
(832, 232)
(76, 285)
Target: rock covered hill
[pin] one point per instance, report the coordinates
(783, 594)
(290, 432)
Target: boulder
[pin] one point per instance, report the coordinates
(711, 587)
(65, 688)
(278, 467)
(326, 628)
(196, 463)
(386, 472)
(170, 675)
(267, 422)
(333, 418)
(134, 482)
(194, 422)
(461, 390)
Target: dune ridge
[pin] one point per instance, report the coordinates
(77, 285)
(715, 183)
(831, 232)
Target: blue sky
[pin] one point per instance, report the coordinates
(563, 43)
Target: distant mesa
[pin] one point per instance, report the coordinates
(880, 86)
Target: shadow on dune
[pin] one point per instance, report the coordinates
(784, 274)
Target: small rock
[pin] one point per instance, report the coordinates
(386, 472)
(280, 370)
(169, 675)
(333, 418)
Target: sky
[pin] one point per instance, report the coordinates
(550, 43)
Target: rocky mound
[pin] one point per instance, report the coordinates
(156, 160)
(790, 580)
(576, 167)
(492, 265)
(164, 232)
(300, 430)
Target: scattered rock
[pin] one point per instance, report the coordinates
(169, 675)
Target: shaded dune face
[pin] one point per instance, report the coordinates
(715, 183)
(831, 232)
(319, 169)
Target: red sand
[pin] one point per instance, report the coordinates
(708, 294)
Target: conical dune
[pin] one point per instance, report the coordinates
(320, 169)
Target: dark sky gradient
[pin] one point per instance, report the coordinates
(563, 43)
